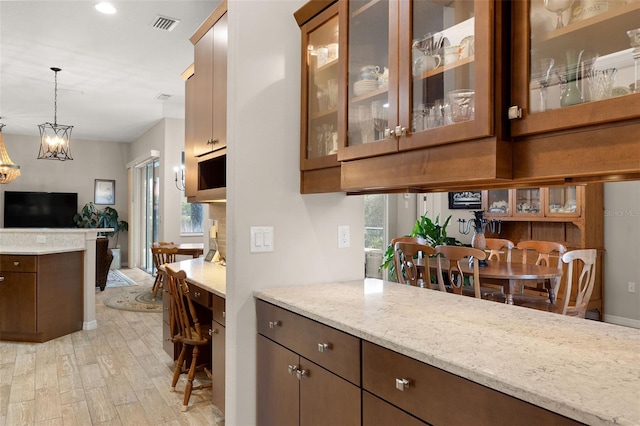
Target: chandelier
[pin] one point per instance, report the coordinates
(54, 138)
(8, 169)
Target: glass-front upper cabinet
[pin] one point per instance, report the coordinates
(576, 63)
(371, 77)
(496, 202)
(563, 201)
(527, 202)
(445, 79)
(320, 82)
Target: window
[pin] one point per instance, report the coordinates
(190, 214)
(374, 221)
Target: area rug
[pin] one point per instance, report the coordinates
(136, 299)
(116, 278)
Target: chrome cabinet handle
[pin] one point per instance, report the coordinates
(514, 112)
(1, 278)
(224, 314)
(301, 373)
(16, 263)
(197, 294)
(292, 368)
(212, 332)
(324, 347)
(402, 384)
(215, 141)
(274, 324)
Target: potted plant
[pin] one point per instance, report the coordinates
(432, 231)
(92, 217)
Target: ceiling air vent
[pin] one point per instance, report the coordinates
(165, 23)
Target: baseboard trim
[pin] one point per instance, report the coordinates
(627, 322)
(90, 325)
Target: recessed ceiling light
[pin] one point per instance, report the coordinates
(106, 8)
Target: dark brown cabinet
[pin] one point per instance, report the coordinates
(307, 372)
(218, 336)
(31, 306)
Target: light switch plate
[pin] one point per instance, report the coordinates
(261, 239)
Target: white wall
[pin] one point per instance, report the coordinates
(262, 178)
(622, 250)
(91, 160)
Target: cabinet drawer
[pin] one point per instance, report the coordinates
(436, 396)
(332, 349)
(376, 412)
(17, 263)
(219, 309)
(200, 296)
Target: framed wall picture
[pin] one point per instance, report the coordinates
(471, 200)
(104, 192)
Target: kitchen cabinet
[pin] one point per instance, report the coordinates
(31, 309)
(306, 371)
(574, 89)
(572, 215)
(436, 396)
(206, 111)
(319, 166)
(218, 338)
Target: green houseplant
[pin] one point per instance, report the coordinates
(431, 230)
(92, 217)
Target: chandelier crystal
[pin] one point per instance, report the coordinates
(8, 169)
(55, 138)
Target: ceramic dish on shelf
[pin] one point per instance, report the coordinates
(363, 87)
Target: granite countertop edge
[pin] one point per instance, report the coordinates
(573, 407)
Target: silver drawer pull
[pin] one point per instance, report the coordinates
(197, 294)
(402, 384)
(1, 278)
(292, 368)
(224, 314)
(274, 324)
(16, 263)
(301, 373)
(324, 347)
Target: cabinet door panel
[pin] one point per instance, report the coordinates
(326, 398)
(219, 75)
(376, 412)
(203, 79)
(218, 364)
(278, 397)
(18, 302)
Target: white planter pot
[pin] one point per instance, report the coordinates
(115, 263)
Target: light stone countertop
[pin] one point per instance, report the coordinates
(207, 275)
(585, 370)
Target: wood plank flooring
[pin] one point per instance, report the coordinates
(117, 374)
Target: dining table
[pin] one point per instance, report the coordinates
(194, 250)
(510, 275)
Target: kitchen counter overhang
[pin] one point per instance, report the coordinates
(585, 370)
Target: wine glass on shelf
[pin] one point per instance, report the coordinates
(380, 117)
(541, 72)
(365, 123)
(558, 7)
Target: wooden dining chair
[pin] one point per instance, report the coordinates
(404, 255)
(581, 271)
(496, 247)
(544, 251)
(161, 255)
(454, 255)
(396, 262)
(186, 330)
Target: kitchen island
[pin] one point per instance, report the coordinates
(583, 370)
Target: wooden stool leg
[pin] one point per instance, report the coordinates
(178, 369)
(192, 373)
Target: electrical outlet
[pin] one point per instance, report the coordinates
(631, 287)
(344, 239)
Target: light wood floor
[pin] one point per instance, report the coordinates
(117, 374)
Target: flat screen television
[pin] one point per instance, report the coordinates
(40, 209)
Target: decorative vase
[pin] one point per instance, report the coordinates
(572, 94)
(477, 240)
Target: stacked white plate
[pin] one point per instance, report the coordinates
(362, 87)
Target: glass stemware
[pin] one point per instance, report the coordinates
(365, 123)
(541, 72)
(380, 117)
(558, 7)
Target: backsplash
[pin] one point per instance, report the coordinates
(218, 211)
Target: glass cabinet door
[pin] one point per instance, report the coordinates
(527, 202)
(575, 63)
(445, 82)
(495, 202)
(319, 145)
(563, 201)
(371, 78)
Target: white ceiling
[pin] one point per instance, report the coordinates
(113, 66)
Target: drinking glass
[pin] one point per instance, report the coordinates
(462, 104)
(365, 123)
(558, 7)
(380, 117)
(601, 83)
(541, 72)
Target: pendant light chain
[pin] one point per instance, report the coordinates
(55, 96)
